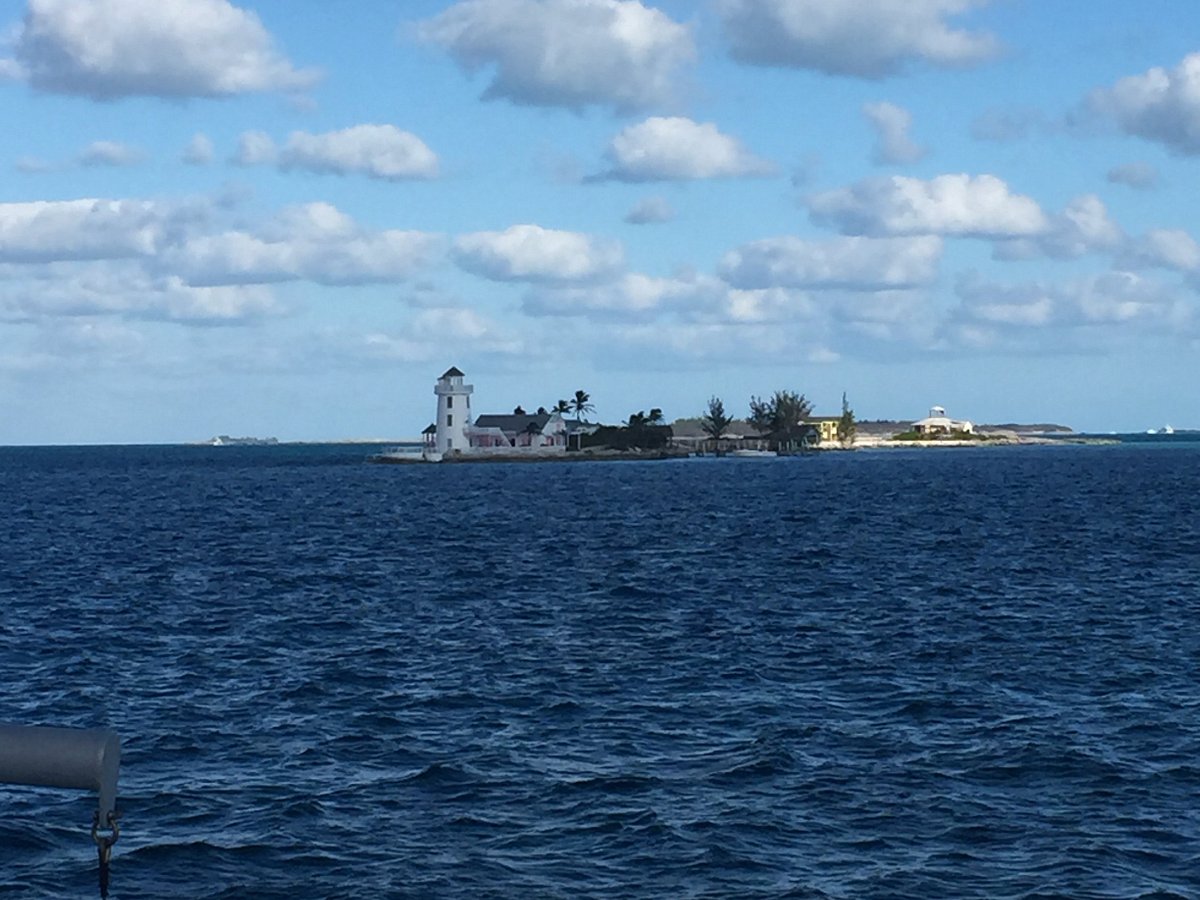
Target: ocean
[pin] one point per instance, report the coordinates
(890, 674)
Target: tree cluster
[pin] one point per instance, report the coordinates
(783, 420)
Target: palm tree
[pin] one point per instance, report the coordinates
(562, 407)
(582, 404)
(847, 427)
(714, 422)
(655, 417)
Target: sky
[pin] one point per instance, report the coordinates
(287, 218)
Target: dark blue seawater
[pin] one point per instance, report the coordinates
(897, 674)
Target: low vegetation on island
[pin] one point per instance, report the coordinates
(782, 423)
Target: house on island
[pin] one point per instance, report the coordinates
(937, 422)
(519, 431)
(826, 426)
(454, 431)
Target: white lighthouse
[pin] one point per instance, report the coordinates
(453, 411)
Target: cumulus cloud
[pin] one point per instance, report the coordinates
(1167, 248)
(255, 148)
(1160, 105)
(650, 210)
(675, 148)
(106, 49)
(534, 254)
(1140, 176)
(1120, 298)
(1026, 305)
(700, 344)
(314, 242)
(11, 70)
(571, 53)
(199, 151)
(459, 325)
(116, 289)
(54, 230)
(1126, 297)
(862, 38)
(1083, 227)
(377, 151)
(633, 296)
(431, 332)
(892, 142)
(951, 205)
(109, 153)
(853, 263)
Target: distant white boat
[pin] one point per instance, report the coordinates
(407, 454)
(746, 453)
(1166, 429)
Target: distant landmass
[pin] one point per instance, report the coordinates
(224, 440)
(691, 427)
(895, 426)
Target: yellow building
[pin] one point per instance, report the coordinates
(827, 426)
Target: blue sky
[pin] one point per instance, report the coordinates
(288, 218)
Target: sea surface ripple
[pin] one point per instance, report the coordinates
(901, 674)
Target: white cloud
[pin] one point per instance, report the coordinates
(106, 49)
(535, 254)
(124, 291)
(314, 242)
(199, 151)
(853, 263)
(1161, 105)
(11, 70)
(431, 333)
(1105, 305)
(1022, 306)
(888, 317)
(458, 325)
(951, 205)
(632, 296)
(778, 305)
(1166, 248)
(109, 153)
(1083, 227)
(650, 210)
(572, 53)
(377, 151)
(46, 230)
(675, 148)
(892, 142)
(218, 304)
(255, 148)
(1125, 297)
(1141, 176)
(863, 38)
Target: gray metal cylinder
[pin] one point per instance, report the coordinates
(82, 758)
